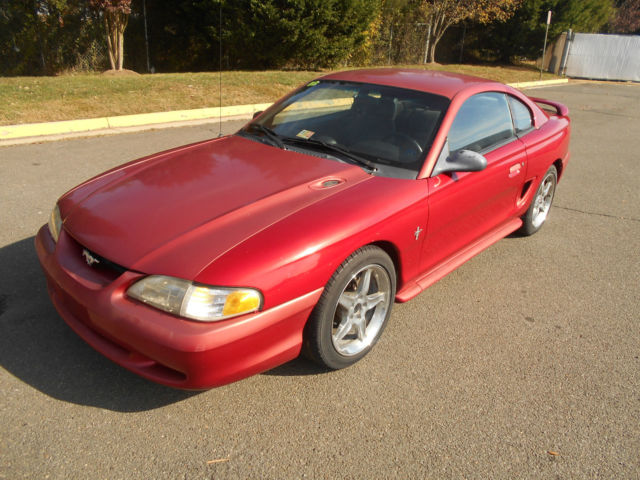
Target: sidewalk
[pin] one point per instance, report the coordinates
(50, 131)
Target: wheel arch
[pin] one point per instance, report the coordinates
(318, 343)
(390, 249)
(559, 167)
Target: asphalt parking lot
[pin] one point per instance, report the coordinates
(523, 363)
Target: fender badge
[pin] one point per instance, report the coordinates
(417, 232)
(90, 259)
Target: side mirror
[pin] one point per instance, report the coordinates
(258, 113)
(459, 161)
(466, 161)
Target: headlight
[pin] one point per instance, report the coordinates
(55, 223)
(198, 302)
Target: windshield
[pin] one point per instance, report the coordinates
(391, 128)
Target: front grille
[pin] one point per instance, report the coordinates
(78, 259)
(104, 263)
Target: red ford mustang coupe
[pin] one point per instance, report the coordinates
(205, 264)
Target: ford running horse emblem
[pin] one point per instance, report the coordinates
(90, 259)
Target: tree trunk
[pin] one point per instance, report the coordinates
(432, 51)
(435, 23)
(120, 48)
(115, 23)
(426, 47)
(110, 46)
(441, 26)
(123, 19)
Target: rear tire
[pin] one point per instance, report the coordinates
(540, 206)
(353, 309)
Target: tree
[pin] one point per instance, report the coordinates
(296, 33)
(398, 37)
(522, 35)
(258, 33)
(627, 17)
(115, 14)
(586, 16)
(48, 36)
(439, 15)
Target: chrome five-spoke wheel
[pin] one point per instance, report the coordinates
(361, 310)
(541, 203)
(353, 309)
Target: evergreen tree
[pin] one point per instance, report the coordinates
(46, 36)
(296, 33)
(522, 35)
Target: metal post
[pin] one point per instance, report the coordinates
(146, 35)
(565, 53)
(390, 44)
(464, 31)
(544, 49)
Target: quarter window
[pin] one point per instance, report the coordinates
(484, 120)
(521, 115)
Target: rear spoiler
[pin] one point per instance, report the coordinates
(561, 109)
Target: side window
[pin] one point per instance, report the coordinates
(482, 121)
(521, 115)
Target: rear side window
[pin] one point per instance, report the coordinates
(521, 115)
(483, 121)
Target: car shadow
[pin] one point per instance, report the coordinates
(297, 368)
(38, 348)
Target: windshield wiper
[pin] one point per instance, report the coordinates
(334, 149)
(270, 134)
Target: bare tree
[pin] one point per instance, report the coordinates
(439, 15)
(115, 14)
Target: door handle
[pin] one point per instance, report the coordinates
(515, 169)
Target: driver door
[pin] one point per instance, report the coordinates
(468, 208)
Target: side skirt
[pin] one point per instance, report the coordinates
(413, 288)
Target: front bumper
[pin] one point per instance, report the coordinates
(158, 346)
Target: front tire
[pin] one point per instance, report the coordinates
(538, 211)
(353, 309)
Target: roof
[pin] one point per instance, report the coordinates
(441, 83)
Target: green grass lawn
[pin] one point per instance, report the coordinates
(67, 97)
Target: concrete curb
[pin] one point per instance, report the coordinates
(48, 131)
(539, 83)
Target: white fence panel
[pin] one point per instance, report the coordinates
(604, 57)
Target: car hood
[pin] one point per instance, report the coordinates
(177, 211)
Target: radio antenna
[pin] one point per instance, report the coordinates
(220, 68)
